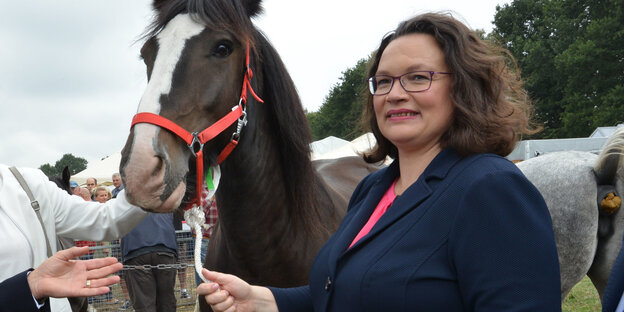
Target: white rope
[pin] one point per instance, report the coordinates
(196, 219)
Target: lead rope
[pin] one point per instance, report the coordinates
(196, 218)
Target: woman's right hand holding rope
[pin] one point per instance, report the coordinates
(227, 293)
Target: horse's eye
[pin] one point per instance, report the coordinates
(222, 50)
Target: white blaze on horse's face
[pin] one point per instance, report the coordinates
(144, 171)
(171, 41)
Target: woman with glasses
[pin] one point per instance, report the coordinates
(450, 225)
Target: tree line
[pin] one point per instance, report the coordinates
(571, 58)
(75, 164)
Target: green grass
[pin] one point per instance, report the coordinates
(582, 298)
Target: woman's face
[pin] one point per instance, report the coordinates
(101, 196)
(414, 120)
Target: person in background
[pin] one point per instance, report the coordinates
(450, 225)
(85, 193)
(117, 183)
(91, 184)
(74, 188)
(183, 248)
(152, 242)
(101, 194)
(59, 276)
(25, 240)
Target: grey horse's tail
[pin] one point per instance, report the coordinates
(608, 167)
(610, 159)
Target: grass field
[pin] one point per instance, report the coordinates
(582, 298)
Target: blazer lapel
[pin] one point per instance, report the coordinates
(415, 195)
(352, 225)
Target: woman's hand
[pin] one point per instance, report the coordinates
(62, 276)
(229, 293)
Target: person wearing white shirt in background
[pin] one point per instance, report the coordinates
(24, 242)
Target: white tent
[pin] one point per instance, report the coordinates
(353, 148)
(102, 171)
(605, 132)
(326, 145)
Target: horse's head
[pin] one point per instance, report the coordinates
(195, 55)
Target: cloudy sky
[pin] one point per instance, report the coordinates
(71, 78)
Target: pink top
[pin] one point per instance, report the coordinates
(383, 205)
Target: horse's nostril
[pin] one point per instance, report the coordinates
(160, 164)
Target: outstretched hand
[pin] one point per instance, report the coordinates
(229, 293)
(62, 276)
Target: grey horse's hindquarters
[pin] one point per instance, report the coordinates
(568, 185)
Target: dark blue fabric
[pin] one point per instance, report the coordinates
(116, 191)
(472, 234)
(15, 295)
(615, 285)
(293, 299)
(155, 233)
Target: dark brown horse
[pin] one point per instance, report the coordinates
(275, 208)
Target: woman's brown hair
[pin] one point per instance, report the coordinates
(492, 109)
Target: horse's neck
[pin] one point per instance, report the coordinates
(256, 202)
(251, 184)
(253, 188)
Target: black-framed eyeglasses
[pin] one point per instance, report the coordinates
(416, 81)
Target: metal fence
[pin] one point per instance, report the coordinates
(118, 300)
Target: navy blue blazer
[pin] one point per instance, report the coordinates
(471, 234)
(15, 295)
(615, 285)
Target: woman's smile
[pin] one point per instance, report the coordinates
(401, 114)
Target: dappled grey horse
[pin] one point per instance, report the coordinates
(573, 185)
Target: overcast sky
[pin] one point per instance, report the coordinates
(71, 78)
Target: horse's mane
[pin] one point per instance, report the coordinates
(611, 158)
(228, 15)
(290, 128)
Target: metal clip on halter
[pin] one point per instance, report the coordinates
(196, 142)
(242, 121)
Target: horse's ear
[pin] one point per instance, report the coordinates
(253, 7)
(66, 174)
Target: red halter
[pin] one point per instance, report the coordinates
(238, 113)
